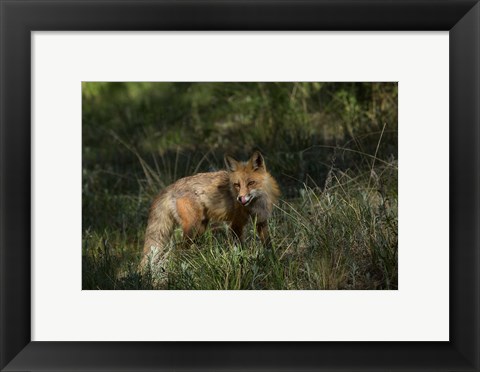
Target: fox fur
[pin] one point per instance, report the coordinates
(245, 190)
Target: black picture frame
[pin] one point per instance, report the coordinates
(18, 18)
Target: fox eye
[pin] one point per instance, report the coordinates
(237, 185)
(251, 183)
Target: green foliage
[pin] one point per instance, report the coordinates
(331, 146)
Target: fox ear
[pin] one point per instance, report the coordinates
(257, 161)
(231, 163)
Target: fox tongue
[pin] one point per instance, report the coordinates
(243, 199)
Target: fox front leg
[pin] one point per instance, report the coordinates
(262, 231)
(238, 227)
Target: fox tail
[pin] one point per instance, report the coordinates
(161, 222)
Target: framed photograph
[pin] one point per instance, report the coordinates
(239, 185)
(315, 210)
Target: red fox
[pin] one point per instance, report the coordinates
(245, 190)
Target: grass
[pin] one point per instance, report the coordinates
(339, 236)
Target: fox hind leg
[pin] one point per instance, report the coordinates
(191, 217)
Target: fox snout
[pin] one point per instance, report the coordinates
(244, 199)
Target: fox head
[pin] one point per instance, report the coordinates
(247, 179)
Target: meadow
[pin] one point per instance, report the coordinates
(332, 147)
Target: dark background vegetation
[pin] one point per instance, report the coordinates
(331, 146)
